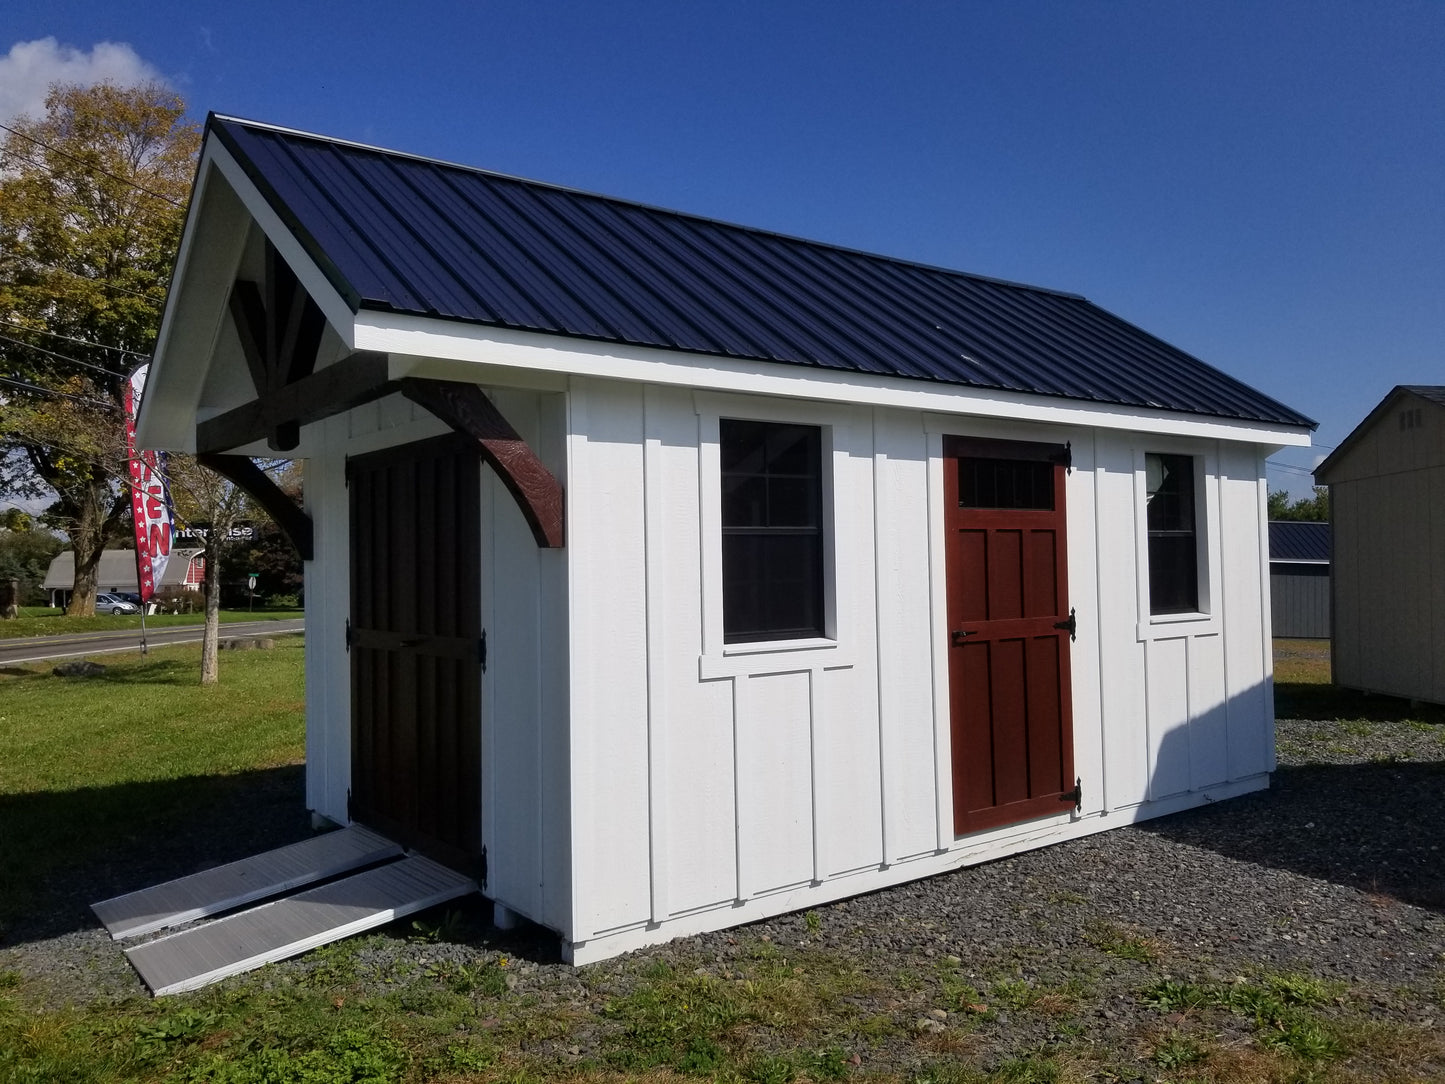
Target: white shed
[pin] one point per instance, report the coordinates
(1387, 574)
(865, 570)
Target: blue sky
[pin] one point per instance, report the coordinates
(1259, 184)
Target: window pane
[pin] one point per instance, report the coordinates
(1173, 544)
(772, 530)
(1005, 483)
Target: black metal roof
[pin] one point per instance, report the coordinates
(1299, 540)
(399, 233)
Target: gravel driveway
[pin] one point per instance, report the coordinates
(1334, 872)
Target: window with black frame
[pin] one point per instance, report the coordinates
(1173, 540)
(772, 530)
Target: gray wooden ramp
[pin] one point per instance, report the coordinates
(288, 927)
(236, 884)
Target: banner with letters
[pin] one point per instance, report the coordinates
(150, 497)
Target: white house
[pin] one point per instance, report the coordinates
(185, 571)
(666, 574)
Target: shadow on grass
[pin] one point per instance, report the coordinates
(61, 851)
(1367, 826)
(1313, 700)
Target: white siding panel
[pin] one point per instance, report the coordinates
(608, 583)
(1168, 699)
(906, 738)
(773, 723)
(1127, 760)
(1208, 720)
(1249, 722)
(699, 798)
(328, 604)
(1084, 598)
(845, 728)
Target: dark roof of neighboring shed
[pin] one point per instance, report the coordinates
(395, 232)
(1432, 393)
(1295, 540)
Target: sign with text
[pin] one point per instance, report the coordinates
(150, 497)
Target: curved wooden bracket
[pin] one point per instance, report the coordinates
(463, 407)
(259, 486)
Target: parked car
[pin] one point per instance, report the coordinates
(106, 603)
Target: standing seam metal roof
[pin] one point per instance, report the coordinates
(1299, 540)
(404, 234)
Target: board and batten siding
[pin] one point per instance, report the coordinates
(712, 787)
(1387, 496)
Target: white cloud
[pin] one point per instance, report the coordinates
(27, 71)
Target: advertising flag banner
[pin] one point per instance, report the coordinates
(150, 497)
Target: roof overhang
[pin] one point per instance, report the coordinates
(199, 372)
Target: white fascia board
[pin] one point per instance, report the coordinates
(333, 306)
(422, 336)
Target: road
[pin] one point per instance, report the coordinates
(85, 644)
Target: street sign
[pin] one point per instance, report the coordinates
(251, 581)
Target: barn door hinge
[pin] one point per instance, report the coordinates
(1071, 626)
(482, 650)
(350, 634)
(1066, 457)
(1076, 795)
(482, 869)
(350, 815)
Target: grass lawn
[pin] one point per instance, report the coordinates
(86, 765)
(43, 621)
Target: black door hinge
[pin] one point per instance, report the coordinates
(1066, 457)
(482, 650)
(1071, 626)
(482, 869)
(1076, 796)
(350, 634)
(350, 811)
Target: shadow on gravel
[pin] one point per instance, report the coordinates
(62, 851)
(1374, 827)
(1312, 700)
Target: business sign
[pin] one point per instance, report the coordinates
(199, 532)
(150, 497)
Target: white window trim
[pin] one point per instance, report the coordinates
(833, 650)
(1207, 621)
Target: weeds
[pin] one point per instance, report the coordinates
(1278, 1004)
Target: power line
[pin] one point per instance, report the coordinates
(72, 339)
(57, 394)
(88, 278)
(88, 165)
(61, 357)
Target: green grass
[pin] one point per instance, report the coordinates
(37, 621)
(89, 764)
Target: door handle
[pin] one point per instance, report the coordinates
(959, 634)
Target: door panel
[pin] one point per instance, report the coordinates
(415, 646)
(1007, 573)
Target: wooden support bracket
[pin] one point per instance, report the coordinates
(259, 486)
(467, 410)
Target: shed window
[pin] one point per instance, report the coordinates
(772, 530)
(1173, 538)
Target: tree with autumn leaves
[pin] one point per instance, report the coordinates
(92, 202)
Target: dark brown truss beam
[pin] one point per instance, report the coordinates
(259, 486)
(350, 382)
(467, 410)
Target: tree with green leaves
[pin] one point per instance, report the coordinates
(1315, 508)
(92, 202)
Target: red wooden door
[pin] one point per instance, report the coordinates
(416, 647)
(1009, 631)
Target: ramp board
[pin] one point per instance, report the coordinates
(275, 931)
(238, 883)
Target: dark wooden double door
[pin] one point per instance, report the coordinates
(1009, 626)
(416, 647)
